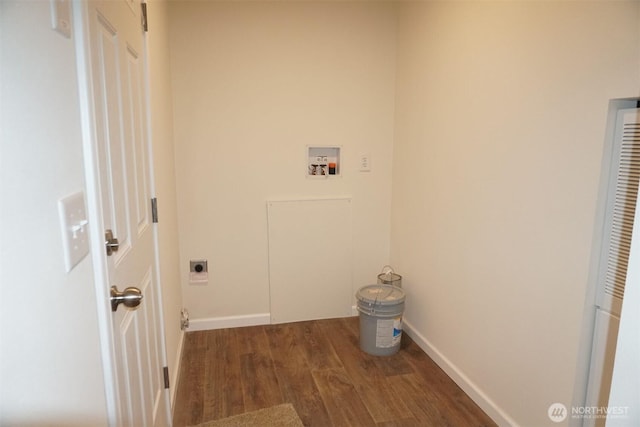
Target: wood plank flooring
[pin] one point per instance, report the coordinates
(319, 368)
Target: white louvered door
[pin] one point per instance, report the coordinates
(623, 193)
(614, 257)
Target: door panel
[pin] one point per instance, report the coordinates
(118, 85)
(310, 250)
(138, 182)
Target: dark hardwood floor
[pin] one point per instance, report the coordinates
(319, 368)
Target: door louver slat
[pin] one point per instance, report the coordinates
(622, 214)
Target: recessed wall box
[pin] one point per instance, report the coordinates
(198, 271)
(323, 161)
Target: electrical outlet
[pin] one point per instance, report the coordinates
(198, 271)
(199, 266)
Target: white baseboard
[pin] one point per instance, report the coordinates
(470, 388)
(229, 322)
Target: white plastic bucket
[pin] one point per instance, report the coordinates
(381, 308)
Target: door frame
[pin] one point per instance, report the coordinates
(80, 24)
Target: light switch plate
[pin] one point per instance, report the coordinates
(75, 233)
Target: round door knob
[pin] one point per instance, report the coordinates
(131, 297)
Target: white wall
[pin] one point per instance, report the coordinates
(255, 83)
(501, 112)
(161, 110)
(50, 365)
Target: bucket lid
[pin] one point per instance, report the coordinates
(380, 294)
(389, 278)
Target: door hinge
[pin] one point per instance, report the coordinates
(154, 210)
(165, 372)
(145, 23)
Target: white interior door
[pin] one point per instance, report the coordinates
(117, 82)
